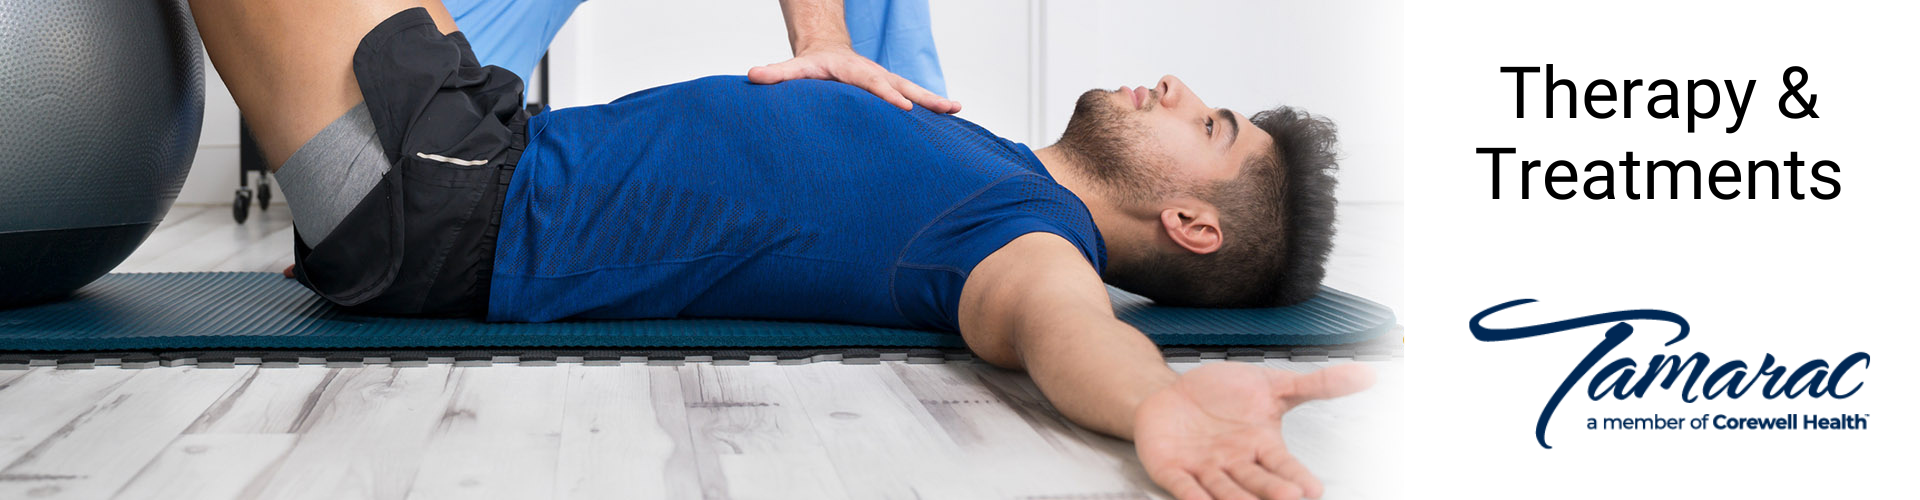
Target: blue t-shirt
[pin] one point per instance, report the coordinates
(804, 200)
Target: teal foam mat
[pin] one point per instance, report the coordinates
(172, 311)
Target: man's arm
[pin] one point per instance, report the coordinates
(1037, 305)
(817, 31)
(1212, 432)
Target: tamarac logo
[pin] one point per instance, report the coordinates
(1814, 378)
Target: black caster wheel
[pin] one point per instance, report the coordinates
(266, 192)
(241, 198)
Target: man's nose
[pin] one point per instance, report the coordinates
(1172, 91)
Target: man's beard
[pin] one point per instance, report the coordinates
(1115, 151)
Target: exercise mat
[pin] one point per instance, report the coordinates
(251, 310)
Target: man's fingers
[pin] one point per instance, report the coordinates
(790, 70)
(924, 97)
(1278, 461)
(1223, 487)
(879, 85)
(1332, 382)
(870, 75)
(1181, 484)
(1270, 486)
(763, 75)
(849, 67)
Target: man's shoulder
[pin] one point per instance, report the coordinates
(1035, 202)
(1034, 273)
(1033, 261)
(1003, 216)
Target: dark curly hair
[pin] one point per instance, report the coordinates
(1278, 221)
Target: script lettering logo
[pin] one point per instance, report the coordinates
(1814, 378)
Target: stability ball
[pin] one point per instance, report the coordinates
(100, 108)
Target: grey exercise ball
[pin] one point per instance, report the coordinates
(100, 107)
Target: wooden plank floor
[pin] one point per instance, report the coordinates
(822, 430)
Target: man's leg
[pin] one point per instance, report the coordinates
(297, 69)
(289, 63)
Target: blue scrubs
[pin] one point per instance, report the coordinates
(898, 34)
(514, 34)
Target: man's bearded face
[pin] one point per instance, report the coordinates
(1115, 148)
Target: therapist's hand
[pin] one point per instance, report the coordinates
(842, 64)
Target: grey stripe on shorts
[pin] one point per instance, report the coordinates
(331, 173)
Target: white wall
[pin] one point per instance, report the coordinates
(1340, 59)
(216, 166)
(612, 48)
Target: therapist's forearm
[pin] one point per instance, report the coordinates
(815, 24)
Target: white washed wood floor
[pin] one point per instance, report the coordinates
(822, 430)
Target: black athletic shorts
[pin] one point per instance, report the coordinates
(421, 243)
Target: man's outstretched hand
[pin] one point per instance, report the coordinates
(842, 64)
(1215, 432)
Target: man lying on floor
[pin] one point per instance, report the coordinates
(419, 186)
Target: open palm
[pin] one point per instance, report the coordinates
(1215, 432)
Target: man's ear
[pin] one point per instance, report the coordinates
(1193, 225)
